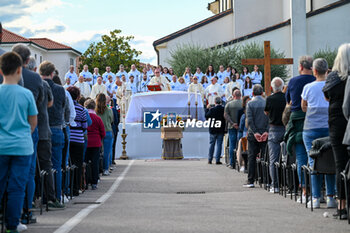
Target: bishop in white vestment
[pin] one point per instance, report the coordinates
(160, 80)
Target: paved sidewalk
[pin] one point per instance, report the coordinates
(147, 201)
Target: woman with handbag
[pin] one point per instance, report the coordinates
(316, 126)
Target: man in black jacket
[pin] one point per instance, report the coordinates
(216, 132)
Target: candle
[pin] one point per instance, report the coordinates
(189, 100)
(124, 106)
(197, 94)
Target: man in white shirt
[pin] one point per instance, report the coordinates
(86, 74)
(72, 112)
(98, 88)
(174, 84)
(160, 80)
(71, 75)
(122, 72)
(213, 90)
(109, 86)
(198, 74)
(84, 87)
(107, 73)
(95, 75)
(131, 85)
(134, 72)
(143, 84)
(221, 74)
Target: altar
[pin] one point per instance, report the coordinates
(144, 143)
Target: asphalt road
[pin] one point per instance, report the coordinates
(142, 196)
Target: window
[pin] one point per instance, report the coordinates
(71, 62)
(35, 56)
(41, 59)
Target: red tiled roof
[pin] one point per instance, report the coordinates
(11, 37)
(49, 44)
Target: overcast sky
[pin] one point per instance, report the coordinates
(79, 22)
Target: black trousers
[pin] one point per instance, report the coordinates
(45, 163)
(76, 151)
(254, 148)
(340, 152)
(93, 156)
(114, 143)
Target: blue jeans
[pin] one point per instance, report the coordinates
(316, 180)
(31, 177)
(57, 141)
(14, 172)
(107, 148)
(111, 153)
(232, 135)
(301, 160)
(215, 139)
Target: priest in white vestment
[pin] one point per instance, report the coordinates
(160, 80)
(195, 86)
(213, 90)
(84, 87)
(229, 88)
(98, 88)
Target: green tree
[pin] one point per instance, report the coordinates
(112, 51)
(327, 54)
(194, 55)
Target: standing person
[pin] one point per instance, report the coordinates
(109, 86)
(221, 74)
(174, 84)
(76, 147)
(294, 129)
(55, 112)
(71, 75)
(98, 88)
(106, 115)
(196, 87)
(216, 113)
(182, 85)
(228, 71)
(334, 91)
(187, 75)
(248, 87)
(160, 80)
(224, 86)
(316, 126)
(231, 115)
(199, 74)
(149, 70)
(274, 108)
(134, 72)
(83, 86)
(87, 75)
(115, 126)
(166, 73)
(68, 83)
(33, 82)
(95, 75)
(16, 142)
(143, 84)
(122, 72)
(131, 85)
(213, 90)
(210, 73)
(230, 86)
(204, 82)
(256, 75)
(258, 127)
(106, 74)
(245, 73)
(96, 133)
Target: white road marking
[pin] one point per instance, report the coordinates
(70, 224)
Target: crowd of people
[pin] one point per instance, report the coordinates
(47, 128)
(313, 105)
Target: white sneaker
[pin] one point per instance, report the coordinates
(331, 202)
(65, 198)
(316, 203)
(303, 198)
(106, 173)
(21, 227)
(242, 169)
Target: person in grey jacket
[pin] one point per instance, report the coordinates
(258, 127)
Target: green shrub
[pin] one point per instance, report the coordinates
(327, 54)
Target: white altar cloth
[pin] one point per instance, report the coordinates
(147, 145)
(168, 101)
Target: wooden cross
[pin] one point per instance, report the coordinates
(267, 61)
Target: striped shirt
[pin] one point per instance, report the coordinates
(77, 132)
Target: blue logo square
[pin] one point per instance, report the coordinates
(152, 120)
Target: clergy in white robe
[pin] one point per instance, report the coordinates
(229, 88)
(196, 87)
(160, 80)
(213, 90)
(98, 88)
(84, 87)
